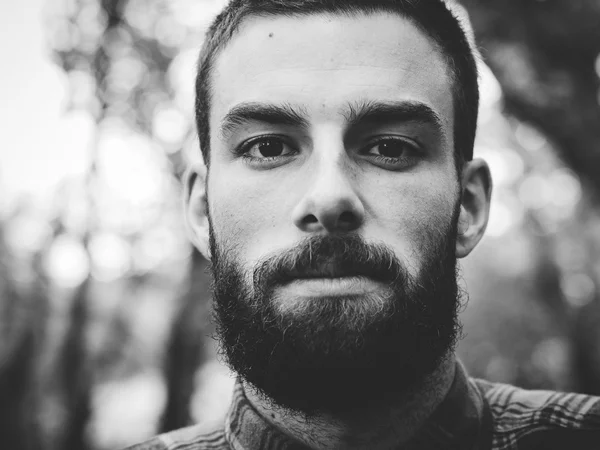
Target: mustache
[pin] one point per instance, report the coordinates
(330, 256)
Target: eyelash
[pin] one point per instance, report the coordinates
(243, 150)
(413, 149)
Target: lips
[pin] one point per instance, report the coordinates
(332, 269)
(330, 287)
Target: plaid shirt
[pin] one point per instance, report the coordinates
(475, 415)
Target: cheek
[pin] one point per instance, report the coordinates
(234, 215)
(416, 216)
(246, 216)
(433, 211)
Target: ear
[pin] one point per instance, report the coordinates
(196, 207)
(474, 206)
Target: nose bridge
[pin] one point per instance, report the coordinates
(332, 169)
(333, 178)
(331, 201)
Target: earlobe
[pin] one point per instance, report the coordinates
(474, 207)
(196, 208)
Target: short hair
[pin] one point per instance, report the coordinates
(433, 17)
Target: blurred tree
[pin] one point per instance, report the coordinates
(118, 37)
(74, 372)
(546, 56)
(22, 317)
(185, 349)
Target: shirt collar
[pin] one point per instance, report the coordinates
(456, 423)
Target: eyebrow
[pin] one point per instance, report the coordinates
(360, 113)
(243, 113)
(369, 112)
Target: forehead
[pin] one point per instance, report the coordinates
(322, 62)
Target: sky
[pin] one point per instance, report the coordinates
(39, 143)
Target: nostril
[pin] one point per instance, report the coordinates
(310, 218)
(346, 217)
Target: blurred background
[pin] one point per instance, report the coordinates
(104, 311)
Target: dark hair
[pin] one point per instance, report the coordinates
(433, 17)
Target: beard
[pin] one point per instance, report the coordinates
(336, 354)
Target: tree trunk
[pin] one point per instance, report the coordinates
(186, 350)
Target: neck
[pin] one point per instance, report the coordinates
(373, 428)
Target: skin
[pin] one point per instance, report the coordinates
(330, 178)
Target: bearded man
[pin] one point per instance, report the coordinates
(339, 190)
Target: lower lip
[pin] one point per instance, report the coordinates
(332, 287)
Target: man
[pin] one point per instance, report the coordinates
(339, 190)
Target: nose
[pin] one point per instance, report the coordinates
(331, 203)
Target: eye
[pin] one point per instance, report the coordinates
(391, 148)
(265, 150)
(393, 152)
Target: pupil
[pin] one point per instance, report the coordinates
(391, 149)
(270, 148)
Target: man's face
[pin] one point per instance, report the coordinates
(332, 162)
